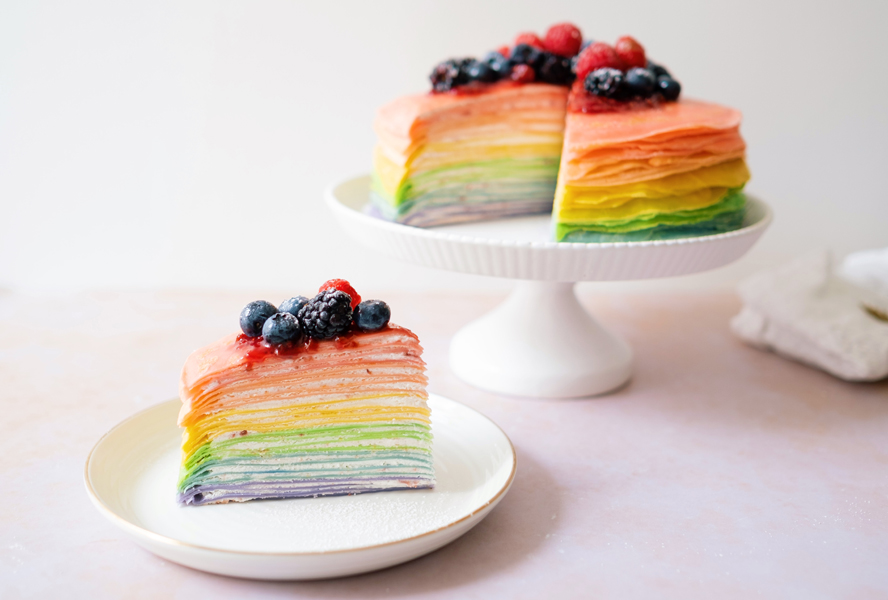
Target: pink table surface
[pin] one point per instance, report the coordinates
(718, 471)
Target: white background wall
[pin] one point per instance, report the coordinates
(185, 144)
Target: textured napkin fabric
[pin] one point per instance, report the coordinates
(802, 311)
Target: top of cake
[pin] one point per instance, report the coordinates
(601, 78)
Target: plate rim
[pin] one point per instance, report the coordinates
(333, 201)
(133, 528)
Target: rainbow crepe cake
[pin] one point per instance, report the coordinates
(318, 397)
(594, 134)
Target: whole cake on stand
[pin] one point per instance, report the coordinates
(628, 179)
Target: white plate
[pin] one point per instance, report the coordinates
(131, 478)
(521, 248)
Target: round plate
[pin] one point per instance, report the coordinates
(521, 248)
(131, 478)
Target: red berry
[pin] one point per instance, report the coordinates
(563, 39)
(343, 286)
(597, 56)
(531, 39)
(631, 52)
(522, 74)
(504, 50)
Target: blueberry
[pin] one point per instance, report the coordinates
(640, 82)
(669, 87)
(293, 305)
(525, 54)
(371, 315)
(280, 328)
(605, 82)
(556, 70)
(480, 71)
(254, 315)
(500, 64)
(657, 70)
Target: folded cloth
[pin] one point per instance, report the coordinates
(867, 271)
(802, 311)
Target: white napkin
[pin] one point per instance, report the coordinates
(802, 311)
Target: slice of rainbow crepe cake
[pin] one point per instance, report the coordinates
(318, 398)
(448, 158)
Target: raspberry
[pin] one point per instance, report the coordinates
(563, 39)
(598, 56)
(343, 286)
(631, 52)
(531, 39)
(327, 315)
(522, 74)
(504, 51)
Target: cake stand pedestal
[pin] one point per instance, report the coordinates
(540, 342)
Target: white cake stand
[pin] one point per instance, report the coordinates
(540, 342)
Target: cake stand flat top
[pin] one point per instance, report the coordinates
(522, 248)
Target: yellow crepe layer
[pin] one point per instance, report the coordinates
(731, 174)
(640, 207)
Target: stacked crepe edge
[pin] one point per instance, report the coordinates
(330, 421)
(445, 158)
(669, 172)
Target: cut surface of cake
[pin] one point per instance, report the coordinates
(671, 170)
(326, 400)
(446, 158)
(632, 161)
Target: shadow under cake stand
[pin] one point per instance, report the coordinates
(540, 342)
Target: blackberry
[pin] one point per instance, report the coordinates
(606, 82)
(556, 70)
(449, 74)
(254, 315)
(327, 315)
(371, 315)
(280, 328)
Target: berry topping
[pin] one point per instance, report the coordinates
(605, 82)
(522, 74)
(481, 71)
(371, 315)
(343, 286)
(597, 56)
(503, 51)
(563, 39)
(556, 70)
(281, 328)
(630, 51)
(525, 54)
(499, 63)
(449, 74)
(640, 82)
(657, 70)
(669, 87)
(327, 315)
(293, 305)
(254, 315)
(531, 39)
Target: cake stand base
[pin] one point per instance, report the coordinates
(540, 343)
